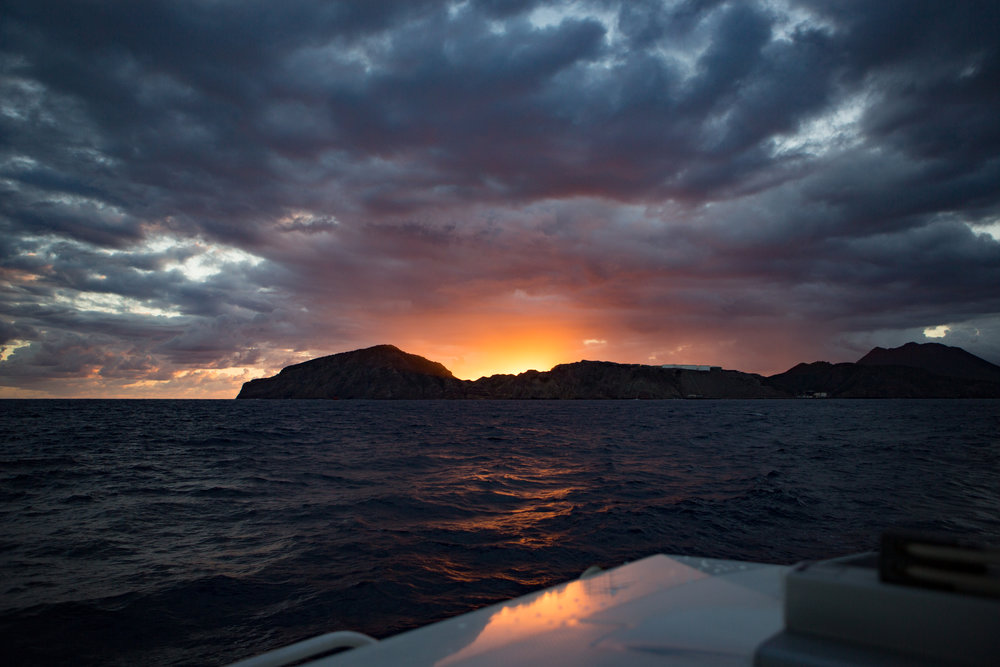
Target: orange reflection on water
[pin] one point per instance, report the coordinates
(519, 526)
(515, 505)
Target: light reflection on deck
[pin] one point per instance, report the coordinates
(569, 606)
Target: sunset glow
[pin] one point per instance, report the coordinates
(496, 186)
(514, 353)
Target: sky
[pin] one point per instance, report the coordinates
(194, 193)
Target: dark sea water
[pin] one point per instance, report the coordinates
(201, 532)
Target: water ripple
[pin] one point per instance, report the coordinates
(197, 532)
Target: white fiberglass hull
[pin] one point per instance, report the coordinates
(887, 610)
(660, 610)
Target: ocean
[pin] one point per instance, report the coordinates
(202, 532)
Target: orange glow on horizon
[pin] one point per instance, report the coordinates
(509, 349)
(513, 358)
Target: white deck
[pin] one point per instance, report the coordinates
(657, 611)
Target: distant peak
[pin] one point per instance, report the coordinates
(384, 347)
(907, 350)
(935, 358)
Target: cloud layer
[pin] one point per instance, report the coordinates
(195, 193)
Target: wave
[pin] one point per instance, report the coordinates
(177, 533)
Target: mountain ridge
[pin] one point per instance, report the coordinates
(914, 370)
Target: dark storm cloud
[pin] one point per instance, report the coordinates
(710, 162)
(199, 101)
(202, 99)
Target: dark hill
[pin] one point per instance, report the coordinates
(608, 380)
(383, 371)
(857, 381)
(934, 358)
(928, 370)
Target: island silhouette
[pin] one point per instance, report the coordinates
(914, 370)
